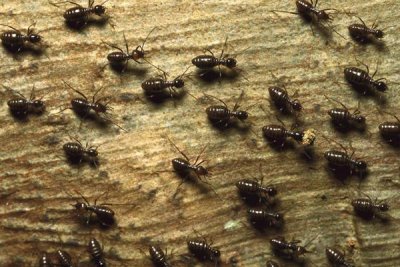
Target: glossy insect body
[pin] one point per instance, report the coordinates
(203, 251)
(158, 257)
(183, 167)
(80, 14)
(278, 134)
(222, 115)
(76, 153)
(344, 117)
(64, 259)
(282, 100)
(251, 189)
(83, 106)
(287, 249)
(261, 218)
(271, 263)
(14, 39)
(340, 159)
(104, 214)
(206, 62)
(361, 78)
(158, 86)
(21, 106)
(308, 11)
(364, 34)
(367, 208)
(337, 258)
(44, 260)
(96, 252)
(390, 131)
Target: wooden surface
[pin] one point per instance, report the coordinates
(35, 178)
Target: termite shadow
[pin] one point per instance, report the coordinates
(212, 75)
(20, 51)
(82, 25)
(163, 96)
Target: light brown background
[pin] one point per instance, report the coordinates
(37, 216)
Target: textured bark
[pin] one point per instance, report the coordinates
(135, 166)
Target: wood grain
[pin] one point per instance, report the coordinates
(135, 165)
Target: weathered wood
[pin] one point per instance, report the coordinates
(133, 164)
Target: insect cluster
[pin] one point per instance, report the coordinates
(263, 210)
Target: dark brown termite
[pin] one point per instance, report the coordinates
(362, 81)
(207, 63)
(262, 219)
(254, 192)
(158, 257)
(310, 13)
(289, 249)
(204, 251)
(82, 106)
(185, 169)
(342, 118)
(120, 59)
(20, 107)
(77, 153)
(390, 130)
(361, 33)
(337, 258)
(96, 253)
(278, 135)
(15, 40)
(221, 116)
(159, 87)
(104, 215)
(78, 16)
(279, 96)
(368, 208)
(342, 164)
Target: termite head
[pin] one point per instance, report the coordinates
(138, 53)
(296, 105)
(179, 83)
(231, 63)
(99, 10)
(34, 38)
(92, 152)
(271, 191)
(242, 115)
(383, 207)
(80, 206)
(381, 86)
(38, 106)
(379, 34)
(322, 15)
(359, 119)
(361, 165)
(301, 250)
(201, 171)
(216, 254)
